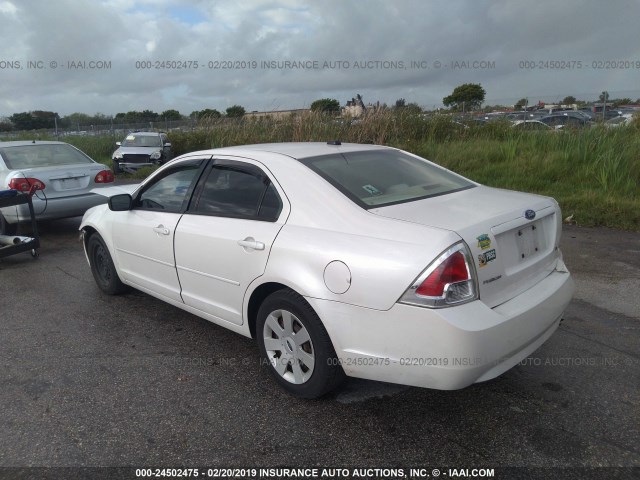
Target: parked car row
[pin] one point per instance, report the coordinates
(545, 121)
(65, 177)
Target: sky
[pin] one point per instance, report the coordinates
(110, 56)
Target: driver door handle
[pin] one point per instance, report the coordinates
(161, 230)
(251, 243)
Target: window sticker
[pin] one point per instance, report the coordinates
(371, 189)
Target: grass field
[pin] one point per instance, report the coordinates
(594, 173)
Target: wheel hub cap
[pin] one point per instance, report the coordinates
(289, 346)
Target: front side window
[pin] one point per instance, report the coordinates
(377, 178)
(171, 191)
(239, 192)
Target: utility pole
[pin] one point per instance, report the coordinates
(605, 96)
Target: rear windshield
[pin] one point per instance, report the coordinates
(34, 156)
(378, 178)
(133, 140)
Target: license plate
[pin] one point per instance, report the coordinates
(529, 240)
(69, 183)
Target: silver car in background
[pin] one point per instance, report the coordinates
(63, 175)
(141, 149)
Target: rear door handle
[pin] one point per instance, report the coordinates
(161, 230)
(250, 243)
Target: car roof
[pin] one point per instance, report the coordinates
(298, 150)
(22, 143)
(154, 134)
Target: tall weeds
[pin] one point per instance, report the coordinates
(594, 172)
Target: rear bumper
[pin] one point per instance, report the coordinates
(54, 208)
(448, 348)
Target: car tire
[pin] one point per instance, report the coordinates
(102, 267)
(116, 167)
(7, 228)
(305, 366)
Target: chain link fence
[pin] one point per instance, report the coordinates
(115, 130)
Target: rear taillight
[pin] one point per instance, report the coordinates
(449, 280)
(24, 184)
(104, 176)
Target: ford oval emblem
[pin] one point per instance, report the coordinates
(529, 214)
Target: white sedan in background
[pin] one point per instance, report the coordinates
(342, 259)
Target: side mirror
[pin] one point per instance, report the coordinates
(167, 145)
(120, 203)
(118, 144)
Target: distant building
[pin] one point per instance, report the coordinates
(277, 114)
(356, 107)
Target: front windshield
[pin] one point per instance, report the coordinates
(377, 178)
(42, 155)
(134, 140)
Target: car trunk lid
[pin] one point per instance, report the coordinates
(511, 252)
(64, 181)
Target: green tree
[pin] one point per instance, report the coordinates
(235, 111)
(75, 119)
(569, 100)
(468, 96)
(412, 108)
(326, 105)
(206, 113)
(620, 101)
(171, 115)
(149, 115)
(134, 116)
(5, 125)
(520, 104)
(401, 102)
(34, 120)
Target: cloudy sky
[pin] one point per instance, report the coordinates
(77, 56)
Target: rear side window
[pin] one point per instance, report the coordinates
(385, 177)
(239, 192)
(38, 155)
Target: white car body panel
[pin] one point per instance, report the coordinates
(144, 250)
(297, 261)
(447, 348)
(382, 251)
(215, 271)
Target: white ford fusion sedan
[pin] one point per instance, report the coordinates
(342, 259)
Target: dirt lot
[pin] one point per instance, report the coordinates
(92, 380)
